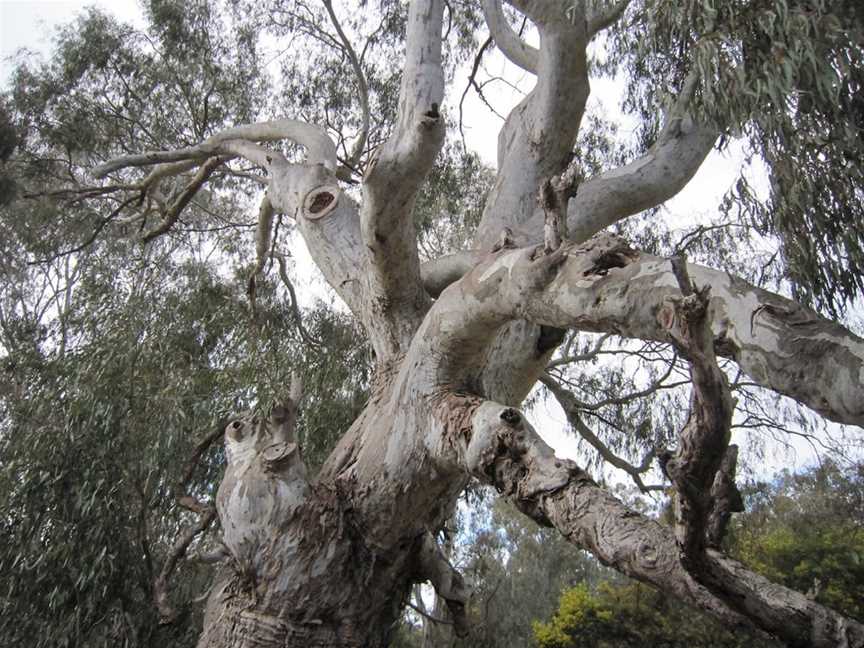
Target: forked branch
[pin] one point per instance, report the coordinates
(393, 179)
(320, 148)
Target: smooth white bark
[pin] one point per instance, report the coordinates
(507, 40)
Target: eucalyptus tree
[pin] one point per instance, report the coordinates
(459, 340)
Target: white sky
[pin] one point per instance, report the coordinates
(30, 24)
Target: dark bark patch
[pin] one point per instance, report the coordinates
(549, 338)
(607, 261)
(511, 417)
(320, 202)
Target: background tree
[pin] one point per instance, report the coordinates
(805, 530)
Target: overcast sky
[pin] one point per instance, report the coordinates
(30, 23)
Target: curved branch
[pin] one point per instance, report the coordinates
(648, 181)
(605, 286)
(603, 17)
(167, 612)
(93, 236)
(428, 616)
(320, 148)
(176, 208)
(295, 309)
(439, 273)
(508, 41)
(567, 402)
(448, 582)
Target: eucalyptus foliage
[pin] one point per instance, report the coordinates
(786, 76)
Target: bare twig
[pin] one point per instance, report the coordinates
(167, 612)
(173, 212)
(205, 513)
(428, 616)
(595, 351)
(359, 146)
(295, 309)
(90, 239)
(472, 82)
(571, 410)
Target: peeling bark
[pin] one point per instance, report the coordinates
(605, 286)
(502, 449)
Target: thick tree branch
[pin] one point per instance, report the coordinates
(439, 273)
(507, 40)
(648, 181)
(603, 15)
(448, 582)
(320, 148)
(725, 498)
(326, 217)
(703, 441)
(500, 448)
(329, 222)
(534, 145)
(537, 137)
(605, 286)
(394, 177)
